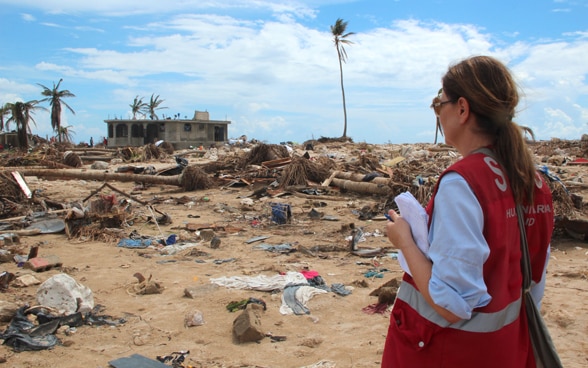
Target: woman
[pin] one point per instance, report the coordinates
(462, 307)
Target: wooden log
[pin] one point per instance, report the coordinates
(575, 184)
(96, 158)
(327, 182)
(93, 150)
(359, 178)
(101, 176)
(24, 232)
(362, 187)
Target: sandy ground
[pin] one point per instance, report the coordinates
(335, 333)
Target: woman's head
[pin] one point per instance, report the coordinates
(492, 96)
(488, 87)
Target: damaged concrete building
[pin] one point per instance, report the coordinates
(181, 133)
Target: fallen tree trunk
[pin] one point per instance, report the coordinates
(362, 187)
(96, 158)
(93, 150)
(359, 178)
(102, 176)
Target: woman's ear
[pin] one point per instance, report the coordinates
(463, 108)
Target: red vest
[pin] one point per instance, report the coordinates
(497, 334)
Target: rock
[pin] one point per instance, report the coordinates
(215, 242)
(99, 165)
(193, 318)
(25, 281)
(387, 292)
(40, 264)
(206, 234)
(387, 295)
(247, 326)
(65, 294)
(7, 310)
(194, 292)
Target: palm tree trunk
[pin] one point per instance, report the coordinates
(56, 119)
(101, 176)
(361, 187)
(343, 94)
(359, 178)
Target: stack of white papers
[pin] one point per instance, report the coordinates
(412, 211)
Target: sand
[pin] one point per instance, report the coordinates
(335, 333)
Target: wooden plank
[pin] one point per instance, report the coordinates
(22, 184)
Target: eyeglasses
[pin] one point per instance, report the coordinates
(437, 103)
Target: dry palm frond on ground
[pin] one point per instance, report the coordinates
(151, 151)
(167, 148)
(264, 152)
(194, 178)
(301, 170)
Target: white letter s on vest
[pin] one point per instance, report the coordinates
(493, 165)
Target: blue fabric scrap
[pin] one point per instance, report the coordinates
(135, 243)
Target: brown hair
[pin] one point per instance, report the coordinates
(492, 94)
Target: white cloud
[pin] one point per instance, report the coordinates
(559, 124)
(28, 17)
(277, 77)
(134, 7)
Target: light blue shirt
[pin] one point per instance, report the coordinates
(459, 250)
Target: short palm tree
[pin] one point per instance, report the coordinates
(137, 107)
(153, 105)
(21, 114)
(55, 96)
(340, 39)
(65, 134)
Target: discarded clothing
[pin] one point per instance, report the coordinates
(135, 243)
(235, 306)
(340, 289)
(379, 308)
(310, 274)
(176, 248)
(374, 273)
(289, 298)
(279, 248)
(260, 282)
(296, 297)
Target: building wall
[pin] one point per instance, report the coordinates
(180, 133)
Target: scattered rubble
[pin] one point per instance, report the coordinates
(362, 178)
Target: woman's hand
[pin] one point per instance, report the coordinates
(398, 231)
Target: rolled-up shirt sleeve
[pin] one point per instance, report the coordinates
(458, 248)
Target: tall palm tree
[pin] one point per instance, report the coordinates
(138, 106)
(3, 112)
(55, 96)
(340, 39)
(153, 105)
(21, 114)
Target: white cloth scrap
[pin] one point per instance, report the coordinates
(261, 282)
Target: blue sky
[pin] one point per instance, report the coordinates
(270, 67)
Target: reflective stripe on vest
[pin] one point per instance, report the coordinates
(479, 322)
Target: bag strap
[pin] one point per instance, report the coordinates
(525, 259)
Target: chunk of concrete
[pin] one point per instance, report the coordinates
(65, 294)
(247, 326)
